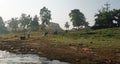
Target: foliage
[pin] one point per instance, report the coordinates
(45, 16)
(25, 21)
(13, 24)
(67, 25)
(34, 25)
(77, 18)
(116, 16)
(3, 29)
(105, 18)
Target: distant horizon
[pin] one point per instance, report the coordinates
(59, 8)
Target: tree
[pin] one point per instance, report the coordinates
(13, 24)
(25, 21)
(67, 26)
(45, 16)
(116, 16)
(104, 17)
(86, 24)
(77, 18)
(3, 29)
(34, 25)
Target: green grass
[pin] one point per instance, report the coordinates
(103, 38)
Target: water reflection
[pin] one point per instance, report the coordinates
(9, 58)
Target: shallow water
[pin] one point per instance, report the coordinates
(10, 58)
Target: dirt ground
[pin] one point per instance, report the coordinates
(72, 53)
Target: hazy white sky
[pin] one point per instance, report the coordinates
(59, 8)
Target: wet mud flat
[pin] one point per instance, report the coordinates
(72, 53)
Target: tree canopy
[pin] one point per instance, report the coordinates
(77, 18)
(13, 24)
(34, 24)
(45, 15)
(25, 21)
(105, 18)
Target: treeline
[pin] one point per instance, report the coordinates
(23, 23)
(105, 18)
(26, 23)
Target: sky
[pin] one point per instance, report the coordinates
(60, 9)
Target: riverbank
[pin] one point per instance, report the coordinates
(74, 53)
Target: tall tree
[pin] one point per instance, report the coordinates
(13, 24)
(77, 18)
(67, 26)
(45, 16)
(25, 21)
(34, 25)
(104, 19)
(3, 29)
